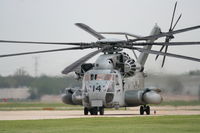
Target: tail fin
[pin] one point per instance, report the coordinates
(143, 56)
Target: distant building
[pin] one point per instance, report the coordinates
(14, 93)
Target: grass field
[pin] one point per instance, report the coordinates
(62, 106)
(148, 124)
(180, 103)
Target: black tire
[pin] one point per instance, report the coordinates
(95, 111)
(101, 110)
(148, 110)
(86, 111)
(141, 110)
(91, 111)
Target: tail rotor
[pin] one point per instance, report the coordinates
(169, 37)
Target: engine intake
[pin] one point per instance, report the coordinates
(130, 67)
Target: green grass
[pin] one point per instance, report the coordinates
(180, 103)
(149, 124)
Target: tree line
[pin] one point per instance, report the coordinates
(44, 84)
(38, 85)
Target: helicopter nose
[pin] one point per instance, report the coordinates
(97, 93)
(96, 96)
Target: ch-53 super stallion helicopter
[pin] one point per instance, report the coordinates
(115, 79)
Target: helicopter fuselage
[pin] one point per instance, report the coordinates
(110, 83)
(103, 88)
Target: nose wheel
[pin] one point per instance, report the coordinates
(143, 109)
(94, 111)
(86, 111)
(101, 110)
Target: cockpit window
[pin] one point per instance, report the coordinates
(87, 77)
(116, 79)
(99, 77)
(104, 77)
(92, 76)
(108, 77)
(95, 77)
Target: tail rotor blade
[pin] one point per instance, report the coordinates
(160, 51)
(173, 17)
(168, 38)
(176, 22)
(164, 57)
(166, 48)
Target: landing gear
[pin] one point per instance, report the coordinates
(101, 110)
(143, 109)
(86, 111)
(94, 111)
(148, 110)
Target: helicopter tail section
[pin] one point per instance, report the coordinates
(143, 56)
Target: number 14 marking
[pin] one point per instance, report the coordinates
(98, 88)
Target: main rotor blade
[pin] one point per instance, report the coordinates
(164, 34)
(44, 51)
(173, 17)
(90, 30)
(162, 53)
(121, 33)
(164, 43)
(77, 63)
(33, 42)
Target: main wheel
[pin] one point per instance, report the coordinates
(86, 111)
(101, 110)
(94, 111)
(91, 111)
(141, 110)
(148, 110)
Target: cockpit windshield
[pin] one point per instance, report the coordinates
(98, 77)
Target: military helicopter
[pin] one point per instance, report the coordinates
(115, 79)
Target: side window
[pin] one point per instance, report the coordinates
(95, 76)
(87, 77)
(92, 77)
(116, 79)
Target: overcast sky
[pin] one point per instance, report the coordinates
(53, 20)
